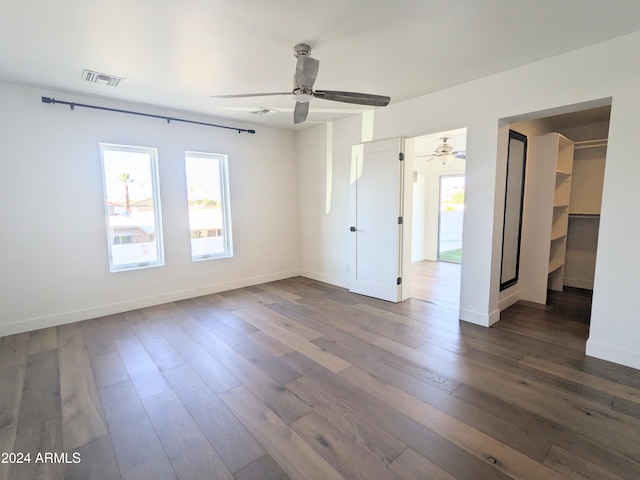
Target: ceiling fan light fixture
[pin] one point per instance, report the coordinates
(446, 158)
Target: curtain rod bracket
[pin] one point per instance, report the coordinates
(72, 105)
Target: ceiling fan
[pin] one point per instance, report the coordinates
(445, 152)
(304, 78)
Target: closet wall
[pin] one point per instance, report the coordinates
(586, 197)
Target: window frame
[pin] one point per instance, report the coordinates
(225, 200)
(157, 210)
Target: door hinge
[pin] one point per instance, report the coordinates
(401, 157)
(398, 281)
(400, 220)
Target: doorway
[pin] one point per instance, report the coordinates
(437, 215)
(561, 248)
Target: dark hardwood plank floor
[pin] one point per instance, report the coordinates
(302, 380)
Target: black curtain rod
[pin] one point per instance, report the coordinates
(168, 119)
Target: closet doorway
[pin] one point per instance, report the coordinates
(566, 255)
(439, 162)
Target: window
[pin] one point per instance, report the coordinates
(132, 201)
(208, 197)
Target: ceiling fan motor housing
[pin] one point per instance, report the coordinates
(301, 49)
(303, 94)
(445, 148)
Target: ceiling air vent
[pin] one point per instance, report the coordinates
(263, 111)
(103, 78)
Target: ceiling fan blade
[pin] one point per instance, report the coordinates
(242, 95)
(300, 112)
(306, 71)
(461, 154)
(353, 97)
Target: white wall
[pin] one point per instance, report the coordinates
(324, 154)
(542, 87)
(586, 197)
(615, 329)
(53, 253)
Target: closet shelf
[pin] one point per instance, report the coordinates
(584, 214)
(556, 265)
(595, 143)
(559, 222)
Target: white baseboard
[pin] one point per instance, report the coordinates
(610, 353)
(482, 319)
(53, 320)
(509, 300)
(494, 317)
(578, 283)
(321, 277)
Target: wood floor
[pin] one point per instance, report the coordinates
(436, 282)
(298, 379)
(572, 303)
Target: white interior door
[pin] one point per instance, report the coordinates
(376, 195)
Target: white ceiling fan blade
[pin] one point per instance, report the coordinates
(306, 71)
(300, 112)
(461, 154)
(353, 97)
(243, 95)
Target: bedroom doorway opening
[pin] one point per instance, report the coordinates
(439, 163)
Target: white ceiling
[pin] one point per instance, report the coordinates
(177, 54)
